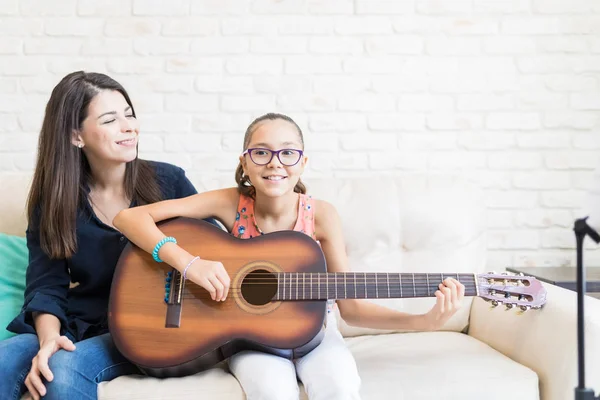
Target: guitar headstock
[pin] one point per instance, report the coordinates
(520, 291)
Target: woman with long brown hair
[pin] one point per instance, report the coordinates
(87, 171)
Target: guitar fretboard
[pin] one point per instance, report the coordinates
(364, 285)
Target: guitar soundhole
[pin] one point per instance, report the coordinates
(259, 287)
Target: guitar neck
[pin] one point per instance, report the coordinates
(364, 285)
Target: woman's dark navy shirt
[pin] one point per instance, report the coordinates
(82, 310)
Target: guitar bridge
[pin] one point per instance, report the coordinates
(173, 293)
(173, 316)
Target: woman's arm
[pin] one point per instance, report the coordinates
(367, 314)
(47, 327)
(139, 225)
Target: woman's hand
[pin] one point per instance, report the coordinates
(212, 276)
(39, 365)
(448, 300)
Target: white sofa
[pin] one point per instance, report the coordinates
(413, 223)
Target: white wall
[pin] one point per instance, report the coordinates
(505, 92)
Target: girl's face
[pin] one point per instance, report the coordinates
(110, 131)
(274, 178)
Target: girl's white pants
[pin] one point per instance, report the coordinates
(328, 372)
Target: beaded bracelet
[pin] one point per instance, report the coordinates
(187, 266)
(159, 245)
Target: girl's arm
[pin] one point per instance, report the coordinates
(367, 314)
(139, 225)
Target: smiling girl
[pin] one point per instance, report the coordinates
(271, 197)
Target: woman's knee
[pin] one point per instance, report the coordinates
(16, 353)
(67, 380)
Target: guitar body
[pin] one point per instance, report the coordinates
(190, 332)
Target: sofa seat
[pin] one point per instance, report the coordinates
(399, 366)
(434, 365)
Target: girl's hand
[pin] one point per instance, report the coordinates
(39, 365)
(448, 300)
(212, 276)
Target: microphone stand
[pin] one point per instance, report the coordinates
(582, 229)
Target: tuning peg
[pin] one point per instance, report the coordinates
(495, 303)
(509, 306)
(492, 292)
(525, 308)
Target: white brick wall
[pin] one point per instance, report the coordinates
(506, 93)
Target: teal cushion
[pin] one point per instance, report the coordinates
(13, 265)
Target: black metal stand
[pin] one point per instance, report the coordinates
(581, 230)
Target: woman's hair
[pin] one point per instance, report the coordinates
(62, 172)
(244, 185)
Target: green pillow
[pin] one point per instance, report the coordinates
(14, 258)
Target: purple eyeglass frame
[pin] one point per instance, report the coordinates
(273, 153)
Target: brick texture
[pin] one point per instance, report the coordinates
(506, 93)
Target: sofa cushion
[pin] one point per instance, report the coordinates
(438, 365)
(215, 383)
(409, 224)
(13, 198)
(13, 264)
(401, 366)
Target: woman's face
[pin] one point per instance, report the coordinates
(110, 131)
(274, 178)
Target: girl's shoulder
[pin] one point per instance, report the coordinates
(320, 204)
(324, 211)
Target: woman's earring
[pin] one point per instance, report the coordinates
(80, 145)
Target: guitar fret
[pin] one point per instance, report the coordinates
(365, 285)
(388, 284)
(283, 286)
(319, 285)
(327, 286)
(278, 287)
(414, 287)
(355, 284)
(345, 296)
(303, 286)
(335, 283)
(400, 284)
(297, 282)
(427, 276)
(311, 285)
(376, 287)
(291, 286)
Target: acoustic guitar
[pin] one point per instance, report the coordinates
(276, 302)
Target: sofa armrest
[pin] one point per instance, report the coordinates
(544, 340)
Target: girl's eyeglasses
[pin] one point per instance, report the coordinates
(261, 156)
